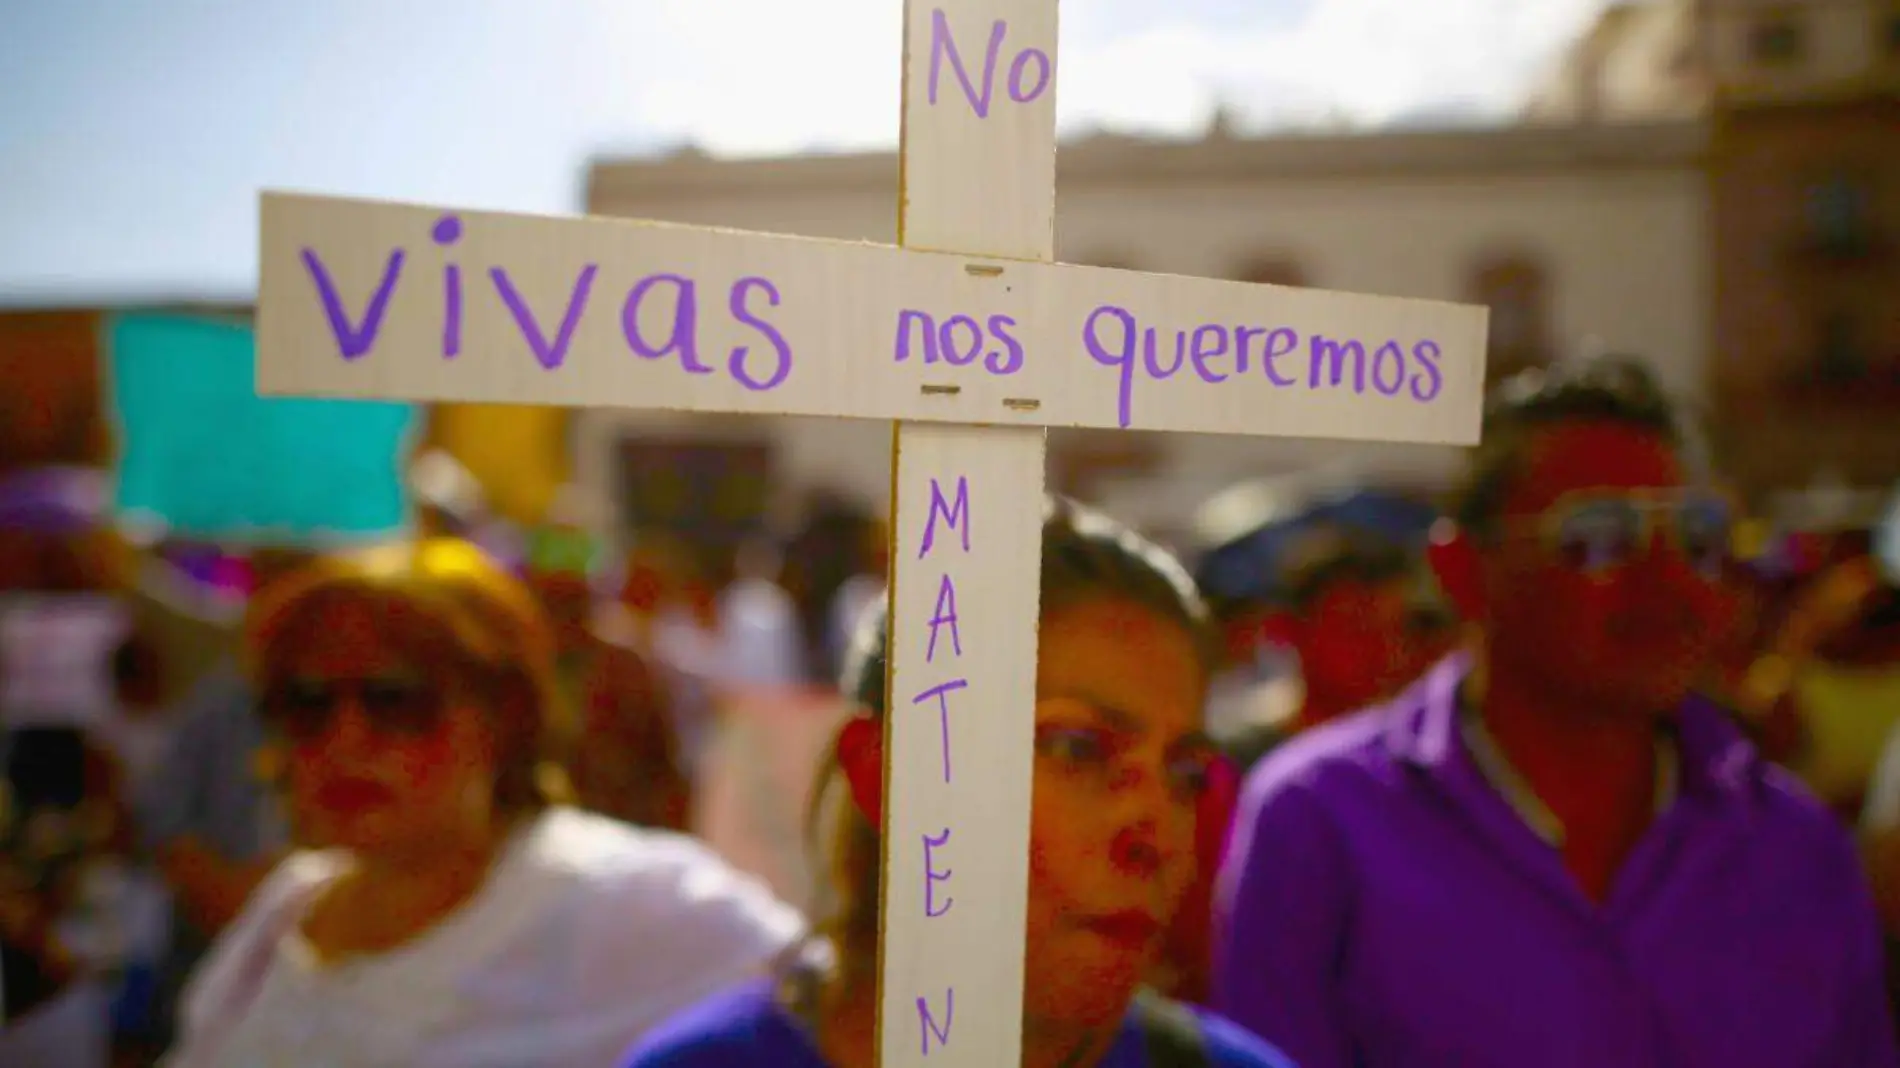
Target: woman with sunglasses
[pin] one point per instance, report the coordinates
(1121, 769)
(461, 915)
(1551, 852)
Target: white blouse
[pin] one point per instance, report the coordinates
(587, 933)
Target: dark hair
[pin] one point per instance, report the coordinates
(138, 671)
(1596, 389)
(1085, 555)
(827, 553)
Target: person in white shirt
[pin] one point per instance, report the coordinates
(461, 916)
(760, 650)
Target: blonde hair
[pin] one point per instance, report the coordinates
(491, 621)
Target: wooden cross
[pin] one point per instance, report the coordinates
(966, 336)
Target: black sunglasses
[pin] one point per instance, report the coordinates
(304, 709)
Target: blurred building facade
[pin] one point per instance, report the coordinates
(1710, 183)
(1802, 105)
(1805, 202)
(1537, 223)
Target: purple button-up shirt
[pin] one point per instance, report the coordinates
(1384, 906)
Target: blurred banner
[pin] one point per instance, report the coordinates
(207, 457)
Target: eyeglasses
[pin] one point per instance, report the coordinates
(400, 706)
(1599, 532)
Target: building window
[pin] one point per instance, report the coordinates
(1841, 356)
(1516, 291)
(1776, 41)
(1837, 216)
(1273, 271)
(709, 495)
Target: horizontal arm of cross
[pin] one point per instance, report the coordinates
(372, 299)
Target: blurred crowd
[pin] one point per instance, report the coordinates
(1584, 765)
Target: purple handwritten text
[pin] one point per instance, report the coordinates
(944, 616)
(684, 340)
(659, 317)
(353, 339)
(1429, 377)
(951, 513)
(448, 230)
(736, 362)
(550, 354)
(943, 45)
(928, 1022)
(942, 693)
(958, 341)
(1115, 339)
(932, 876)
(1044, 69)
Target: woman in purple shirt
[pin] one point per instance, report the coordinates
(1121, 766)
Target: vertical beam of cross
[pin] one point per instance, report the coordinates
(978, 178)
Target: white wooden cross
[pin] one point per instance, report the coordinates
(966, 336)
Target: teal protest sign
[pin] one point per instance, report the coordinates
(203, 454)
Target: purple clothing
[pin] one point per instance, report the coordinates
(1383, 906)
(58, 499)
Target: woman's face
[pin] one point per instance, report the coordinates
(1120, 765)
(386, 753)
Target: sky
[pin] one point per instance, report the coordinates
(136, 134)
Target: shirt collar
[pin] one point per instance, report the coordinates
(1703, 754)
(1504, 777)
